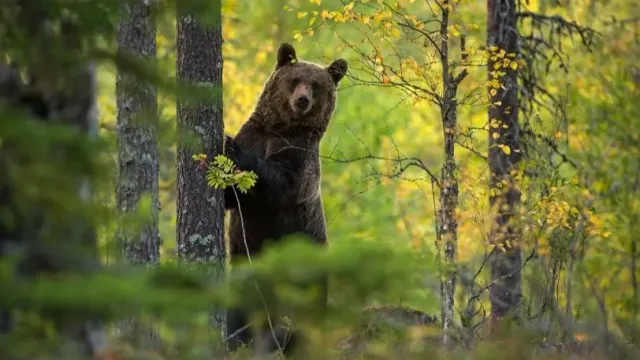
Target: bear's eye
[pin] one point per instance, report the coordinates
(295, 82)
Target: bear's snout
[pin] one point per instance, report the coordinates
(302, 103)
(302, 98)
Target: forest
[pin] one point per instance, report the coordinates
(473, 193)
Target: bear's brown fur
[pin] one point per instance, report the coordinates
(280, 143)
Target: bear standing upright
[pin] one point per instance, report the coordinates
(280, 143)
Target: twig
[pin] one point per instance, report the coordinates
(494, 281)
(264, 303)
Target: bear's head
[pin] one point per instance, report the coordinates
(299, 94)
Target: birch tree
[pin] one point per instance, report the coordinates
(431, 71)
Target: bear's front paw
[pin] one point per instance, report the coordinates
(232, 151)
(228, 144)
(230, 148)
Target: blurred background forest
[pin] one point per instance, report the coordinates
(572, 150)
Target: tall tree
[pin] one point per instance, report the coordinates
(59, 96)
(504, 153)
(137, 146)
(447, 234)
(200, 227)
(138, 167)
(419, 85)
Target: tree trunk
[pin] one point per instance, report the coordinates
(137, 146)
(64, 242)
(137, 186)
(448, 223)
(200, 228)
(504, 153)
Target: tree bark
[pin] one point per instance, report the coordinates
(504, 153)
(138, 166)
(137, 146)
(200, 228)
(448, 223)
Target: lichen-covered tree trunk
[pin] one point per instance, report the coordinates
(137, 146)
(138, 168)
(448, 223)
(504, 153)
(200, 227)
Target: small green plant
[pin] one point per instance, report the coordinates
(222, 172)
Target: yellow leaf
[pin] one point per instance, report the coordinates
(365, 19)
(302, 14)
(495, 135)
(606, 234)
(514, 65)
(506, 149)
(385, 79)
(312, 20)
(298, 36)
(325, 14)
(454, 31)
(350, 6)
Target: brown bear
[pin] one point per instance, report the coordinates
(280, 143)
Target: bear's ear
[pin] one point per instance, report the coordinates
(286, 55)
(337, 70)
